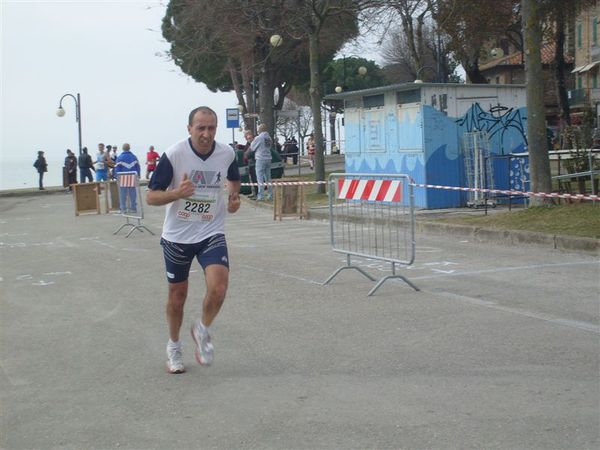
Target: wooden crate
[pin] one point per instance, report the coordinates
(289, 201)
(86, 197)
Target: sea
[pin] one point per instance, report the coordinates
(19, 173)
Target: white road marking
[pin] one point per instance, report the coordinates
(585, 326)
(43, 283)
(507, 269)
(281, 274)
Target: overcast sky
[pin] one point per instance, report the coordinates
(107, 52)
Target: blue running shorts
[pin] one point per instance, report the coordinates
(179, 257)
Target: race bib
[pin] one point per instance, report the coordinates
(202, 206)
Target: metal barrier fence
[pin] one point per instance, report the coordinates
(372, 216)
(131, 202)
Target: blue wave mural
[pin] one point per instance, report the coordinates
(436, 158)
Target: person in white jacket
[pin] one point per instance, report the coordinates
(261, 146)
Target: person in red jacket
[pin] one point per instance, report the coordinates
(151, 161)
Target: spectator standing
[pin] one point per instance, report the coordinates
(190, 180)
(42, 167)
(249, 159)
(151, 161)
(111, 160)
(85, 166)
(71, 169)
(290, 149)
(261, 147)
(127, 162)
(101, 169)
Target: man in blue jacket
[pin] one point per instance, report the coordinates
(127, 162)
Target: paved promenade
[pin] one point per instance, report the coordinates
(499, 349)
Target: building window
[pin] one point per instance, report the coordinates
(595, 31)
(595, 80)
(373, 101)
(579, 82)
(413, 96)
(579, 35)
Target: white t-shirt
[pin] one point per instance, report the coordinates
(100, 159)
(202, 215)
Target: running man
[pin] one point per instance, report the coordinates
(190, 180)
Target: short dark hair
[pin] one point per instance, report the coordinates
(204, 109)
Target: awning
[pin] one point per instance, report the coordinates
(589, 66)
(585, 67)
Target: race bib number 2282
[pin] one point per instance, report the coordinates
(196, 210)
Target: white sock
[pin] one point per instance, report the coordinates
(174, 344)
(203, 327)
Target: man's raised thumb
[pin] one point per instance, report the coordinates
(185, 177)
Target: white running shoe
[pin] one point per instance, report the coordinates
(204, 348)
(174, 360)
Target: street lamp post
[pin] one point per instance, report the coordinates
(60, 112)
(417, 79)
(362, 71)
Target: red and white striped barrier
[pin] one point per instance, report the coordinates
(371, 190)
(128, 180)
(360, 193)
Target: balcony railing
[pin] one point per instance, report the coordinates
(578, 97)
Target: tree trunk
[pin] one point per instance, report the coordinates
(559, 71)
(267, 88)
(474, 75)
(539, 163)
(249, 89)
(315, 105)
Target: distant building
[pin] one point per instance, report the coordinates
(586, 92)
(510, 69)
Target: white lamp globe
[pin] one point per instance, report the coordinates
(276, 40)
(362, 70)
(338, 89)
(60, 112)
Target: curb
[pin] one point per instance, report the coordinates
(500, 237)
(30, 192)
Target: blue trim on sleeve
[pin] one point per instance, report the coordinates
(162, 176)
(233, 173)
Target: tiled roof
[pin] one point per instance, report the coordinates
(515, 59)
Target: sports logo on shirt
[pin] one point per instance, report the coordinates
(205, 178)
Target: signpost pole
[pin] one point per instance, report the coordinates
(233, 121)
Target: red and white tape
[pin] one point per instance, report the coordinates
(511, 192)
(362, 192)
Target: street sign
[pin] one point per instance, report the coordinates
(251, 116)
(233, 117)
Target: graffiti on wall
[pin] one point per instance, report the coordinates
(497, 122)
(443, 103)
